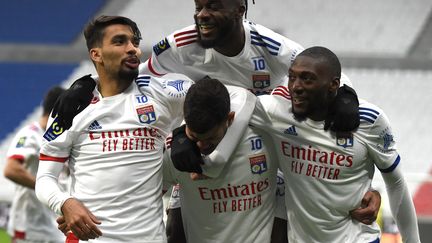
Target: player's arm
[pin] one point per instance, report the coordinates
(382, 149)
(369, 207)
(169, 172)
(15, 171)
(77, 217)
(401, 205)
(279, 231)
(24, 147)
(243, 104)
(55, 151)
(185, 154)
(164, 58)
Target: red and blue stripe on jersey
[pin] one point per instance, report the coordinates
(267, 42)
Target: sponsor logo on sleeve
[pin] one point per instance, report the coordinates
(176, 88)
(53, 131)
(386, 141)
(21, 142)
(161, 47)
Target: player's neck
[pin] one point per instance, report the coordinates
(43, 120)
(233, 44)
(109, 86)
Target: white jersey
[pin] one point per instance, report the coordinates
(238, 206)
(280, 208)
(115, 149)
(28, 216)
(326, 177)
(261, 66)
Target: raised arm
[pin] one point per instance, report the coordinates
(401, 205)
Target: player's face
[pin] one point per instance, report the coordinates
(311, 87)
(208, 141)
(119, 54)
(216, 21)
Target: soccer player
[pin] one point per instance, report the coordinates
(237, 206)
(30, 220)
(326, 176)
(115, 145)
(224, 46)
(238, 52)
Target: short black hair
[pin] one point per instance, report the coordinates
(94, 30)
(326, 56)
(207, 104)
(50, 98)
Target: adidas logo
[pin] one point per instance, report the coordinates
(291, 131)
(94, 126)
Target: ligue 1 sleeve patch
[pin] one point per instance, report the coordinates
(146, 114)
(161, 47)
(21, 142)
(53, 131)
(258, 164)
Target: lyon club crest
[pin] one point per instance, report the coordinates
(146, 114)
(258, 164)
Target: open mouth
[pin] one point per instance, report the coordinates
(206, 28)
(298, 100)
(132, 62)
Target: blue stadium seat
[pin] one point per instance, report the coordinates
(45, 22)
(23, 87)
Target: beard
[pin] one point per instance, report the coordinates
(299, 116)
(128, 75)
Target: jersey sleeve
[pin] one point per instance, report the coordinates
(55, 151)
(165, 56)
(168, 170)
(401, 205)
(24, 145)
(280, 211)
(382, 149)
(242, 103)
(56, 142)
(169, 91)
(260, 117)
(47, 187)
(375, 127)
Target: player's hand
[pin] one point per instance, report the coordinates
(343, 116)
(196, 176)
(185, 154)
(62, 226)
(368, 211)
(73, 101)
(80, 220)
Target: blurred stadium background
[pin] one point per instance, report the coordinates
(385, 47)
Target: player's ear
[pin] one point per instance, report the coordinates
(241, 8)
(334, 84)
(241, 11)
(95, 54)
(230, 118)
